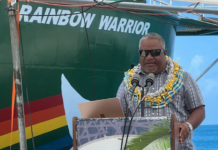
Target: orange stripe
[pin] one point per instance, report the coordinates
(12, 109)
(37, 117)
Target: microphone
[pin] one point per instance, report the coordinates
(135, 81)
(150, 80)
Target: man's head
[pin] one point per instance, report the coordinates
(152, 62)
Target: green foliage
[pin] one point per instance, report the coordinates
(158, 135)
(159, 144)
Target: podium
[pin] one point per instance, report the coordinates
(145, 133)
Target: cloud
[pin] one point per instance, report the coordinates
(177, 59)
(210, 87)
(210, 84)
(196, 63)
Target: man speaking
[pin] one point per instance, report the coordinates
(173, 91)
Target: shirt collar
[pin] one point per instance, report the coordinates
(140, 71)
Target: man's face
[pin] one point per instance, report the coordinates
(152, 64)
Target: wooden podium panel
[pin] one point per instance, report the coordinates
(175, 133)
(74, 133)
(106, 133)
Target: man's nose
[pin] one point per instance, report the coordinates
(149, 56)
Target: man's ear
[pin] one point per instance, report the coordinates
(165, 52)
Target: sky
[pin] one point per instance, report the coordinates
(195, 54)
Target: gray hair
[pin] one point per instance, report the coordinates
(153, 36)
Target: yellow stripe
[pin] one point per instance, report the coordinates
(38, 129)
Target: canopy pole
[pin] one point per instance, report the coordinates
(17, 76)
(206, 70)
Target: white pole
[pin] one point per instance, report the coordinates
(136, 6)
(203, 7)
(207, 69)
(17, 76)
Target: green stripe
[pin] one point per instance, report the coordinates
(43, 139)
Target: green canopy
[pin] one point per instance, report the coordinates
(196, 27)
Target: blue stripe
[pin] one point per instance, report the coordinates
(167, 99)
(154, 104)
(178, 76)
(130, 90)
(171, 93)
(57, 144)
(126, 82)
(176, 82)
(176, 88)
(161, 104)
(125, 78)
(180, 71)
(135, 96)
(126, 88)
(147, 103)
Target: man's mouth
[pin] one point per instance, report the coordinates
(150, 64)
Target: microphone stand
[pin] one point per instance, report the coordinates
(142, 103)
(147, 86)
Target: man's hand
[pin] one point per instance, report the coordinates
(183, 132)
(195, 119)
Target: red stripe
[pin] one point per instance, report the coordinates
(37, 117)
(35, 106)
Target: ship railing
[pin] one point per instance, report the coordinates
(171, 2)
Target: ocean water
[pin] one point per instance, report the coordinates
(206, 137)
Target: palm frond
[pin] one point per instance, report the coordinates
(156, 131)
(162, 143)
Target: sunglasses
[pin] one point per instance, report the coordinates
(154, 53)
